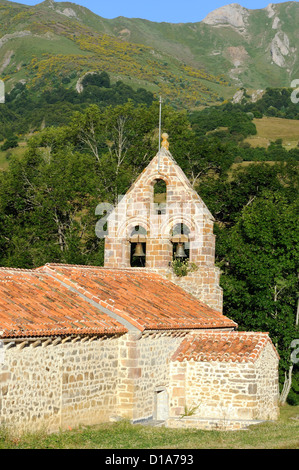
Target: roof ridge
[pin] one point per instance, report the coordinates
(22, 270)
(70, 265)
(232, 332)
(104, 268)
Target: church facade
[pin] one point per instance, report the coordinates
(133, 340)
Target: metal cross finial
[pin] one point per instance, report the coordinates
(160, 114)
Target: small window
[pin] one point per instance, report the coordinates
(138, 230)
(160, 195)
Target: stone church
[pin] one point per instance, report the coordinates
(133, 339)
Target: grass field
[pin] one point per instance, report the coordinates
(272, 128)
(282, 434)
(5, 156)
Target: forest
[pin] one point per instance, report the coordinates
(25, 109)
(94, 151)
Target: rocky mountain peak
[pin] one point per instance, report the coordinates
(62, 8)
(232, 14)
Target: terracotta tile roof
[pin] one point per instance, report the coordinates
(146, 300)
(32, 303)
(222, 346)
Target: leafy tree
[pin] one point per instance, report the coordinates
(123, 139)
(236, 189)
(260, 263)
(274, 102)
(10, 142)
(236, 120)
(26, 109)
(97, 79)
(47, 209)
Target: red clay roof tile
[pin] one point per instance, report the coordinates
(222, 346)
(59, 299)
(145, 299)
(32, 303)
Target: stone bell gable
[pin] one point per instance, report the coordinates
(159, 222)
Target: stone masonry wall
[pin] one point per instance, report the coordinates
(61, 386)
(203, 284)
(144, 366)
(267, 385)
(154, 360)
(58, 386)
(52, 387)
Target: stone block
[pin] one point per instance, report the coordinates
(5, 376)
(135, 372)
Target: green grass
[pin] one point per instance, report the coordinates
(271, 128)
(282, 434)
(7, 155)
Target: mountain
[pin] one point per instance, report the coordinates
(190, 64)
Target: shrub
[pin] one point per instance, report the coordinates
(182, 268)
(10, 142)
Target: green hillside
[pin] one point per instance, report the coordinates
(43, 47)
(48, 50)
(191, 65)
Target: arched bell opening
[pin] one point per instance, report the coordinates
(160, 195)
(180, 241)
(138, 247)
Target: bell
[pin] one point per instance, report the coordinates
(180, 252)
(139, 250)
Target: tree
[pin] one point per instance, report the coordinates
(10, 142)
(236, 189)
(260, 270)
(47, 205)
(123, 139)
(97, 79)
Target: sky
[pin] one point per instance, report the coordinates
(170, 11)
